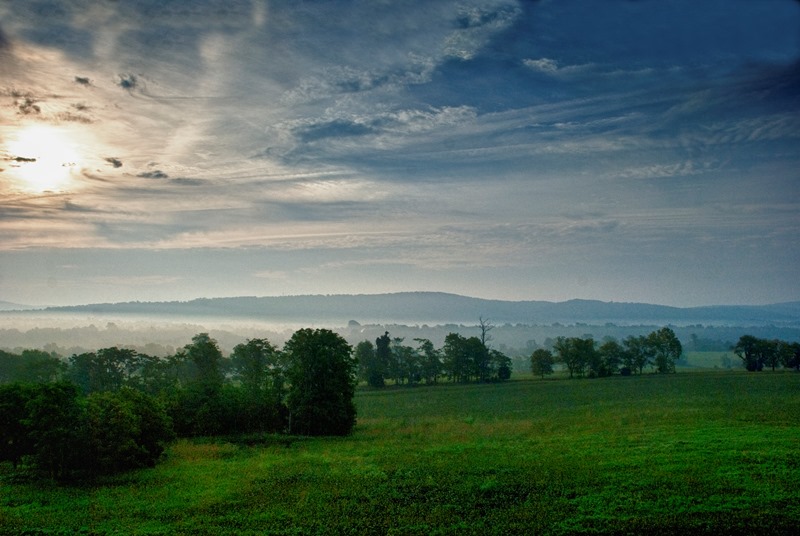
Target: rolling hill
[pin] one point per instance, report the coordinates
(443, 308)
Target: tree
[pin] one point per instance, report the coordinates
(431, 360)
(38, 366)
(542, 362)
(383, 359)
(464, 358)
(612, 355)
(773, 352)
(750, 350)
(127, 429)
(791, 356)
(56, 423)
(665, 348)
(14, 439)
(575, 353)
(321, 372)
(204, 352)
(198, 407)
(365, 355)
(637, 353)
(499, 365)
(406, 364)
(256, 364)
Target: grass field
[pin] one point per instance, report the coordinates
(710, 452)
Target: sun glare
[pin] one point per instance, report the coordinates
(42, 158)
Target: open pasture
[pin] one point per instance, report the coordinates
(684, 453)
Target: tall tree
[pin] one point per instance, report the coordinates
(464, 358)
(321, 372)
(256, 365)
(499, 365)
(38, 366)
(369, 369)
(612, 355)
(542, 362)
(750, 351)
(430, 360)
(206, 356)
(637, 353)
(665, 348)
(56, 424)
(14, 439)
(575, 353)
(383, 360)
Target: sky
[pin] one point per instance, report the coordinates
(634, 151)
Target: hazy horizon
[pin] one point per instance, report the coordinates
(643, 152)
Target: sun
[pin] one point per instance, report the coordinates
(42, 158)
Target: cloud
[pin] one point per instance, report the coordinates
(544, 65)
(155, 174)
(127, 81)
(477, 24)
(116, 162)
(337, 128)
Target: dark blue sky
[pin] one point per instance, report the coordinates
(618, 150)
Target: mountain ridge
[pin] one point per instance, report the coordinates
(441, 307)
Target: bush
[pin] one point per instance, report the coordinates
(126, 430)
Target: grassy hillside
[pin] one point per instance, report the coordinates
(693, 452)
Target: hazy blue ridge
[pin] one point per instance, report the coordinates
(436, 307)
(8, 306)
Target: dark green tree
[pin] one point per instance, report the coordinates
(665, 348)
(431, 360)
(56, 424)
(791, 355)
(257, 365)
(126, 429)
(542, 362)
(197, 407)
(407, 361)
(206, 356)
(14, 438)
(382, 365)
(365, 355)
(575, 353)
(612, 355)
(638, 354)
(456, 358)
(499, 365)
(773, 353)
(321, 372)
(750, 350)
(38, 366)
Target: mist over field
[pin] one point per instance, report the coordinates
(159, 328)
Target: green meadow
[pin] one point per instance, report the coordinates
(696, 452)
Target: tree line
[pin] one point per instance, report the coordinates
(757, 353)
(116, 409)
(659, 350)
(461, 359)
(583, 356)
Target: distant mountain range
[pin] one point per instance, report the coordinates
(441, 308)
(8, 306)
